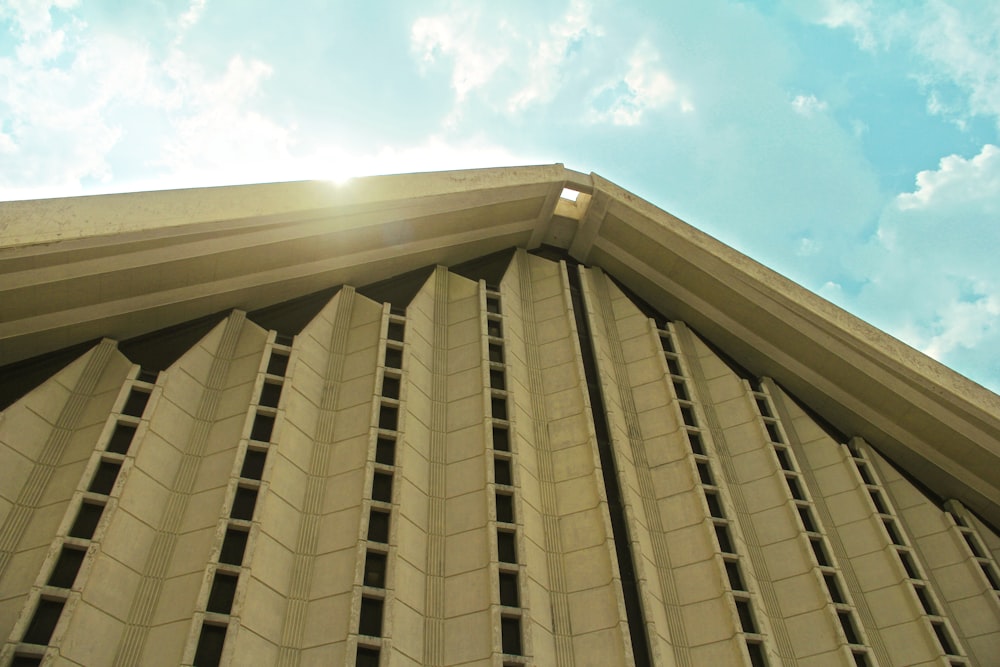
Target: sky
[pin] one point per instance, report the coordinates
(850, 145)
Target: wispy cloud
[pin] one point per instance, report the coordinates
(807, 105)
(646, 86)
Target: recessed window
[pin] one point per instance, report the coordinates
(494, 328)
(893, 531)
(878, 501)
(714, 505)
(136, 402)
(807, 521)
(861, 659)
(382, 487)
(907, 560)
(725, 541)
(234, 545)
(66, 568)
(947, 645)
(121, 438)
(925, 600)
(210, 643)
(375, 569)
(666, 343)
(734, 576)
(762, 407)
(866, 475)
(147, 376)
(505, 508)
(220, 599)
(385, 451)
(496, 353)
(510, 635)
(784, 459)
(501, 439)
(270, 394)
(371, 617)
(390, 386)
(509, 596)
(277, 364)
(86, 520)
(795, 488)
(283, 339)
(497, 380)
(26, 661)
(847, 623)
(253, 464)
(367, 657)
(705, 473)
(395, 331)
(681, 390)
(378, 526)
(673, 366)
(756, 651)
(104, 477)
(493, 304)
(393, 357)
(388, 417)
(506, 547)
(819, 551)
(973, 545)
(502, 471)
(498, 406)
(263, 426)
(687, 414)
(833, 586)
(697, 446)
(746, 615)
(244, 503)
(990, 576)
(772, 432)
(43, 622)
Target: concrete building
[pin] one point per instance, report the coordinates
(460, 418)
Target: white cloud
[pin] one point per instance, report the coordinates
(958, 182)
(193, 14)
(855, 15)
(645, 87)
(964, 324)
(455, 35)
(807, 105)
(551, 55)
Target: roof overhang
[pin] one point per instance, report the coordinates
(76, 269)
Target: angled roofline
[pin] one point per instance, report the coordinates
(81, 268)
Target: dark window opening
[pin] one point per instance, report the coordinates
(395, 331)
(784, 459)
(847, 623)
(833, 586)
(220, 599)
(734, 575)
(893, 531)
(673, 366)
(253, 464)
(725, 541)
(687, 414)
(378, 526)
(772, 432)
(866, 476)
(498, 405)
(501, 439)
(390, 386)
(705, 473)
(385, 451)
(746, 615)
(371, 617)
(715, 505)
(104, 477)
(367, 657)
(497, 380)
(393, 357)
(666, 343)
(210, 643)
(505, 508)
(756, 651)
(510, 635)
(509, 596)
(147, 376)
(136, 402)
(506, 547)
(234, 545)
(502, 472)
(496, 353)
(795, 488)
(86, 521)
(283, 339)
(26, 661)
(43, 622)
(807, 521)
(388, 417)
(494, 328)
(66, 568)
(861, 660)
(493, 305)
(277, 364)
(990, 576)
(244, 503)
(375, 563)
(680, 389)
(943, 636)
(121, 438)
(697, 446)
(263, 425)
(925, 600)
(270, 393)
(819, 551)
(762, 407)
(878, 502)
(973, 545)
(382, 487)
(907, 560)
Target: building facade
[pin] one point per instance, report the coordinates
(457, 419)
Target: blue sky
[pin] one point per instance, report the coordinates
(848, 144)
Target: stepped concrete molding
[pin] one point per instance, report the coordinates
(631, 446)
